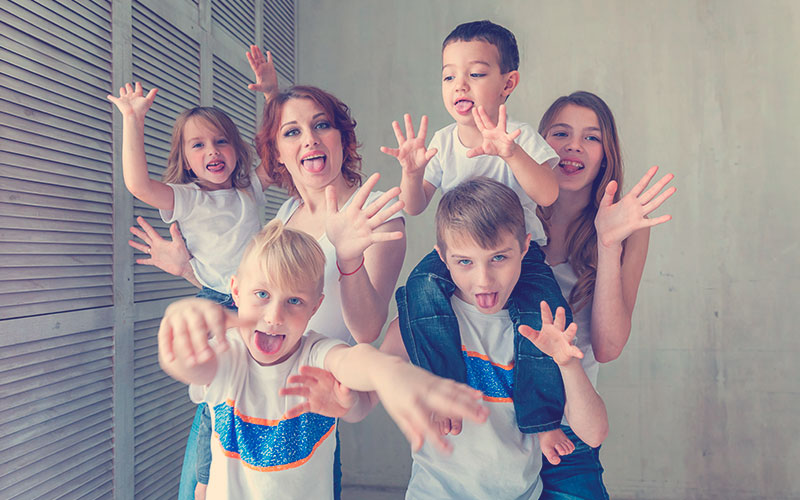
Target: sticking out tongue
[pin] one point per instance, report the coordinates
(463, 106)
(569, 168)
(314, 164)
(216, 166)
(486, 300)
(268, 344)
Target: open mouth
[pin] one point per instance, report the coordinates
(314, 163)
(268, 343)
(570, 167)
(486, 300)
(463, 106)
(216, 166)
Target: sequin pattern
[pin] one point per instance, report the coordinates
(494, 380)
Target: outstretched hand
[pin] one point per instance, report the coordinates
(553, 339)
(263, 70)
(411, 151)
(496, 141)
(324, 394)
(354, 229)
(184, 330)
(132, 101)
(412, 395)
(616, 221)
(168, 255)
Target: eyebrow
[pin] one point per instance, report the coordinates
(570, 126)
(294, 122)
(470, 62)
(496, 252)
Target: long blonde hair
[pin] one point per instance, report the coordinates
(178, 172)
(581, 234)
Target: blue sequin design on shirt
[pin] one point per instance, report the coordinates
(288, 444)
(493, 381)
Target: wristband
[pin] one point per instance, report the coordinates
(342, 273)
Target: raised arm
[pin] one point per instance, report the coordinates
(584, 408)
(369, 255)
(538, 181)
(170, 256)
(618, 276)
(413, 156)
(264, 72)
(134, 106)
(409, 394)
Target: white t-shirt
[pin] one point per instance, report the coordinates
(493, 460)
(450, 167)
(256, 452)
(329, 318)
(217, 226)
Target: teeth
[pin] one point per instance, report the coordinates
(313, 157)
(572, 164)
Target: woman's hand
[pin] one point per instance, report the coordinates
(352, 230)
(263, 70)
(170, 256)
(616, 221)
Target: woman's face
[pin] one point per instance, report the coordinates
(308, 145)
(576, 136)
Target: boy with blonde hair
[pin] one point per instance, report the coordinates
(480, 62)
(264, 444)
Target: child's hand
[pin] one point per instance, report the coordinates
(552, 339)
(264, 71)
(132, 102)
(496, 141)
(324, 394)
(168, 255)
(411, 151)
(616, 221)
(411, 395)
(184, 331)
(353, 229)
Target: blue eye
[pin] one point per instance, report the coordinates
(448, 78)
(262, 294)
(559, 134)
(323, 125)
(197, 145)
(593, 138)
(498, 258)
(464, 262)
(295, 301)
(222, 141)
(291, 132)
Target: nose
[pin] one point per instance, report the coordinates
(573, 144)
(273, 314)
(483, 276)
(311, 137)
(461, 82)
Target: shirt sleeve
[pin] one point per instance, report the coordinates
(320, 347)
(184, 197)
(536, 147)
(433, 171)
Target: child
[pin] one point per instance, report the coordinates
(598, 245)
(211, 190)
(479, 69)
(260, 448)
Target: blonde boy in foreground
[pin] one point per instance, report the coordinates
(263, 444)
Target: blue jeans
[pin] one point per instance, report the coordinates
(431, 336)
(224, 299)
(579, 476)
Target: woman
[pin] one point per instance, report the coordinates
(307, 142)
(597, 246)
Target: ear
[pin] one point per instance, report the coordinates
(512, 80)
(316, 307)
(527, 245)
(235, 290)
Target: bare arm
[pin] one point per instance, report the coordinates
(538, 181)
(361, 234)
(170, 256)
(134, 105)
(413, 157)
(617, 281)
(263, 71)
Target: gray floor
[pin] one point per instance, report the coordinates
(367, 493)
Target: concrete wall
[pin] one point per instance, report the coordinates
(704, 401)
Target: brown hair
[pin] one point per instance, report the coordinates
(483, 209)
(178, 172)
(290, 258)
(335, 110)
(581, 233)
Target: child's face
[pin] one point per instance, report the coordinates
(471, 77)
(281, 316)
(308, 145)
(575, 135)
(484, 277)
(208, 154)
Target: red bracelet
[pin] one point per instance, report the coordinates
(354, 272)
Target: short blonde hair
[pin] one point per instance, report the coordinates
(480, 208)
(291, 259)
